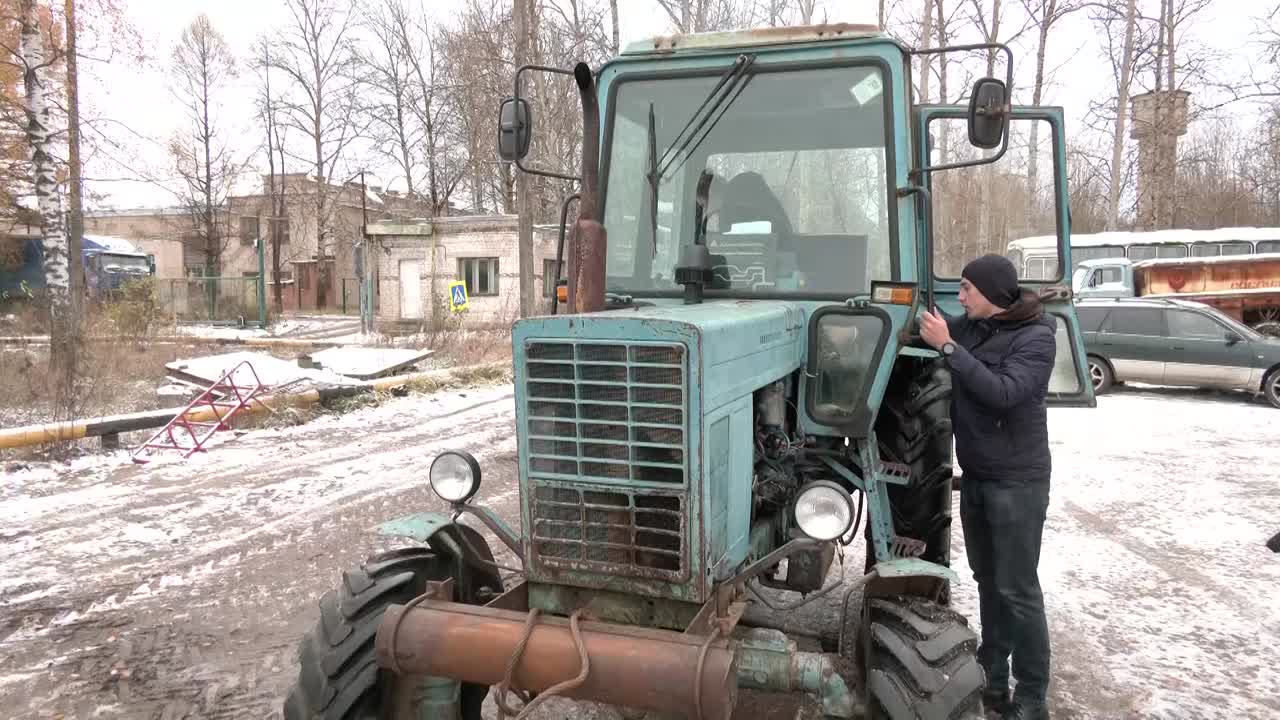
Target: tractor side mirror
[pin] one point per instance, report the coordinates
(515, 129)
(988, 120)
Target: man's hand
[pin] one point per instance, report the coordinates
(934, 330)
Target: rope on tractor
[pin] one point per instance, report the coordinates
(506, 711)
(395, 631)
(697, 675)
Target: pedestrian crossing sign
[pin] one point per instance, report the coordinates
(457, 296)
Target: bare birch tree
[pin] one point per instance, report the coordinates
(37, 62)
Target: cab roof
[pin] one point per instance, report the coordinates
(666, 44)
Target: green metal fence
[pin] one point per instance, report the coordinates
(210, 299)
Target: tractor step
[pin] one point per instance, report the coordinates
(894, 473)
(906, 547)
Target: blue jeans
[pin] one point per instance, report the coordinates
(1003, 523)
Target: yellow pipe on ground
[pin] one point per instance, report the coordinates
(109, 425)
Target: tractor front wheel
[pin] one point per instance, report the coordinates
(920, 661)
(339, 677)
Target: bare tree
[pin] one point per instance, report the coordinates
(268, 111)
(389, 99)
(202, 65)
(694, 16)
(1123, 67)
(1043, 14)
(613, 16)
(314, 53)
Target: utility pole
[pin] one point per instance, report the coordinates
(524, 207)
(363, 260)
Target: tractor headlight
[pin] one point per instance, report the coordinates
(455, 476)
(824, 510)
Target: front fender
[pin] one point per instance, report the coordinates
(465, 546)
(419, 526)
(910, 576)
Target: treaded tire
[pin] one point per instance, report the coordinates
(914, 428)
(1100, 375)
(921, 661)
(339, 677)
(1271, 387)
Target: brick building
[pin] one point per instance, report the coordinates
(482, 251)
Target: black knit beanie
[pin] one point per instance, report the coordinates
(995, 277)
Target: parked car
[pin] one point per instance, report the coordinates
(1178, 343)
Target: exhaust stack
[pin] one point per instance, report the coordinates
(588, 240)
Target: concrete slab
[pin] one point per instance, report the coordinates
(364, 363)
(270, 371)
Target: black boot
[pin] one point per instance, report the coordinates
(996, 702)
(1026, 710)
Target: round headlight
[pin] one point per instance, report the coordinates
(455, 476)
(824, 510)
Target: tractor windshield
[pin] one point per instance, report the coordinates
(798, 195)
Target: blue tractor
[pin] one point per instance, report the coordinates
(735, 374)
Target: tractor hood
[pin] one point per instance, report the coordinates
(733, 346)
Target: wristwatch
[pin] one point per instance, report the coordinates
(948, 348)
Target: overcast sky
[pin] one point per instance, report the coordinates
(138, 97)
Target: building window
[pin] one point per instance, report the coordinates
(284, 230)
(480, 275)
(549, 277)
(248, 229)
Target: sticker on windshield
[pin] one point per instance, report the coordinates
(867, 90)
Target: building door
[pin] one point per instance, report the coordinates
(410, 289)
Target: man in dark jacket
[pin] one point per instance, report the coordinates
(1001, 355)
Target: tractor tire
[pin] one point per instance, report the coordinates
(914, 428)
(921, 661)
(339, 677)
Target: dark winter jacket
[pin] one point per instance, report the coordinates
(999, 379)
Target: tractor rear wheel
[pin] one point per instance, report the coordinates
(914, 428)
(920, 661)
(339, 677)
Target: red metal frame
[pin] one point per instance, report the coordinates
(224, 398)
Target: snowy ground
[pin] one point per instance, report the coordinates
(181, 588)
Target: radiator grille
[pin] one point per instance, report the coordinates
(638, 534)
(607, 412)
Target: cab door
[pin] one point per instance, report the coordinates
(980, 209)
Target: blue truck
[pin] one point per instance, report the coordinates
(107, 263)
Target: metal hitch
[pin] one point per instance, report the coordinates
(640, 668)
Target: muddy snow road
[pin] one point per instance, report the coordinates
(181, 588)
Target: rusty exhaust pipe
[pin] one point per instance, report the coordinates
(588, 241)
(652, 670)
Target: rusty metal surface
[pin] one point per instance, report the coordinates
(628, 608)
(635, 667)
(588, 242)
(756, 36)
(588, 238)
(517, 598)
(1207, 275)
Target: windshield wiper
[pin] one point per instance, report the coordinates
(727, 89)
